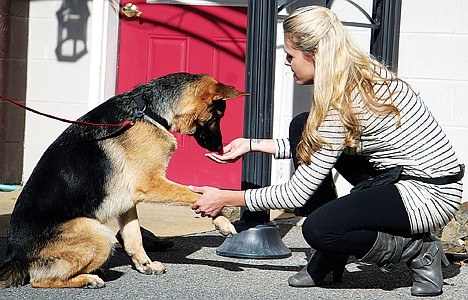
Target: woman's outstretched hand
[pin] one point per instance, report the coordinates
(231, 152)
(211, 202)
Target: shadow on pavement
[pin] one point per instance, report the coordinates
(199, 250)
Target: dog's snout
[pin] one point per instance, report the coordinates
(220, 149)
(209, 137)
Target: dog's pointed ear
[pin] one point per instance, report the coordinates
(225, 92)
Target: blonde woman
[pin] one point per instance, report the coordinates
(373, 128)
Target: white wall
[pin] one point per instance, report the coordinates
(54, 87)
(433, 58)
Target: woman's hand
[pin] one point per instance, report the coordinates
(213, 200)
(231, 152)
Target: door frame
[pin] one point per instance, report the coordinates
(105, 41)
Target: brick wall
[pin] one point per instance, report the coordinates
(13, 66)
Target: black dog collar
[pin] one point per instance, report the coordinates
(142, 109)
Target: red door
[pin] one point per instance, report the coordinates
(195, 39)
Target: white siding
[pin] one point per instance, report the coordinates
(433, 43)
(54, 87)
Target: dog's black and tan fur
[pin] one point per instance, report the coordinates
(56, 236)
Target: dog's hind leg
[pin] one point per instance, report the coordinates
(81, 247)
(133, 244)
(82, 280)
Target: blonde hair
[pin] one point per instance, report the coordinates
(341, 69)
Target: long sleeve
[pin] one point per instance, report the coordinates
(307, 178)
(283, 149)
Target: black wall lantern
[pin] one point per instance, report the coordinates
(72, 27)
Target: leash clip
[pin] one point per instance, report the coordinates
(139, 114)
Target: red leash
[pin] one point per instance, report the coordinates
(128, 122)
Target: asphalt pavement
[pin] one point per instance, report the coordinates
(195, 271)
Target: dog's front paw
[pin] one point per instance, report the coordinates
(151, 268)
(224, 226)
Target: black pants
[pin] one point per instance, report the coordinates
(349, 224)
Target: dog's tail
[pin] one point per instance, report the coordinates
(13, 273)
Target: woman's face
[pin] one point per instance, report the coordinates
(302, 66)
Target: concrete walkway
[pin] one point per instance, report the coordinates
(163, 220)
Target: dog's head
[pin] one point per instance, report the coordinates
(199, 111)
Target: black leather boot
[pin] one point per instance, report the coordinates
(318, 267)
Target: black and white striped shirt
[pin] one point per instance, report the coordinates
(418, 144)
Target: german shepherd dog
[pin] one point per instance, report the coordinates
(57, 236)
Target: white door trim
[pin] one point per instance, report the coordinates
(104, 51)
